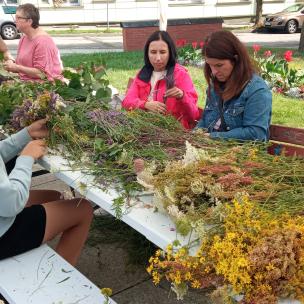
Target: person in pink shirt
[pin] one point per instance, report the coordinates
(162, 85)
(38, 57)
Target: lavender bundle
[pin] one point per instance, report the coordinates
(46, 104)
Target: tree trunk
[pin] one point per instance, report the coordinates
(258, 13)
(301, 45)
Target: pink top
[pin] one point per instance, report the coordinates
(40, 53)
(185, 109)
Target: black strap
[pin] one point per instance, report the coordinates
(223, 126)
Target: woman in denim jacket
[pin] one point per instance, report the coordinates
(238, 104)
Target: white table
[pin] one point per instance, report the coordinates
(155, 226)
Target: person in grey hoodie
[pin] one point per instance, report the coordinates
(29, 218)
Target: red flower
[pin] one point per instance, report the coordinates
(256, 47)
(288, 56)
(202, 44)
(178, 43)
(267, 53)
(194, 44)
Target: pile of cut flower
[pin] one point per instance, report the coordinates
(191, 189)
(246, 207)
(250, 247)
(106, 141)
(255, 258)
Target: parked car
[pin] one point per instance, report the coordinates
(8, 28)
(291, 19)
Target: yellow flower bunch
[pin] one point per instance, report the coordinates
(257, 256)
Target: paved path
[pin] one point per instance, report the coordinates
(106, 43)
(270, 39)
(79, 44)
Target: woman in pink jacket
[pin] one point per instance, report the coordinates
(162, 85)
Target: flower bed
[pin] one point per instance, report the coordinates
(190, 54)
(278, 75)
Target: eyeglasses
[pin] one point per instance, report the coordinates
(21, 18)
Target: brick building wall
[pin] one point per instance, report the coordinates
(135, 34)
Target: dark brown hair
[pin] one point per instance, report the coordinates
(225, 45)
(30, 12)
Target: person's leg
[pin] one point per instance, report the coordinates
(10, 165)
(43, 196)
(72, 218)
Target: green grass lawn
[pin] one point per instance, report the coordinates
(101, 30)
(123, 65)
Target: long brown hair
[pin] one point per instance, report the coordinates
(224, 45)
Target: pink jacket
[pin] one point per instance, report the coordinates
(185, 110)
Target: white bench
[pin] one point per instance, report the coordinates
(41, 276)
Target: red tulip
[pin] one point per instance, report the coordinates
(194, 44)
(178, 43)
(288, 56)
(202, 44)
(267, 53)
(256, 47)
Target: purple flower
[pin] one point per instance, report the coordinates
(109, 117)
(53, 100)
(110, 141)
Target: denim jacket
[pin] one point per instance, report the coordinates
(247, 116)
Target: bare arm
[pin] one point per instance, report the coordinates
(3, 49)
(17, 68)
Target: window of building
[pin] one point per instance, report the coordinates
(232, 1)
(60, 3)
(71, 2)
(9, 2)
(187, 2)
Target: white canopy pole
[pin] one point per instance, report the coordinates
(163, 8)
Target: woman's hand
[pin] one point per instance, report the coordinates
(156, 107)
(38, 129)
(174, 92)
(36, 149)
(11, 66)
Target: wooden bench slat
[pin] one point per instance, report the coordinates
(286, 140)
(287, 134)
(277, 148)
